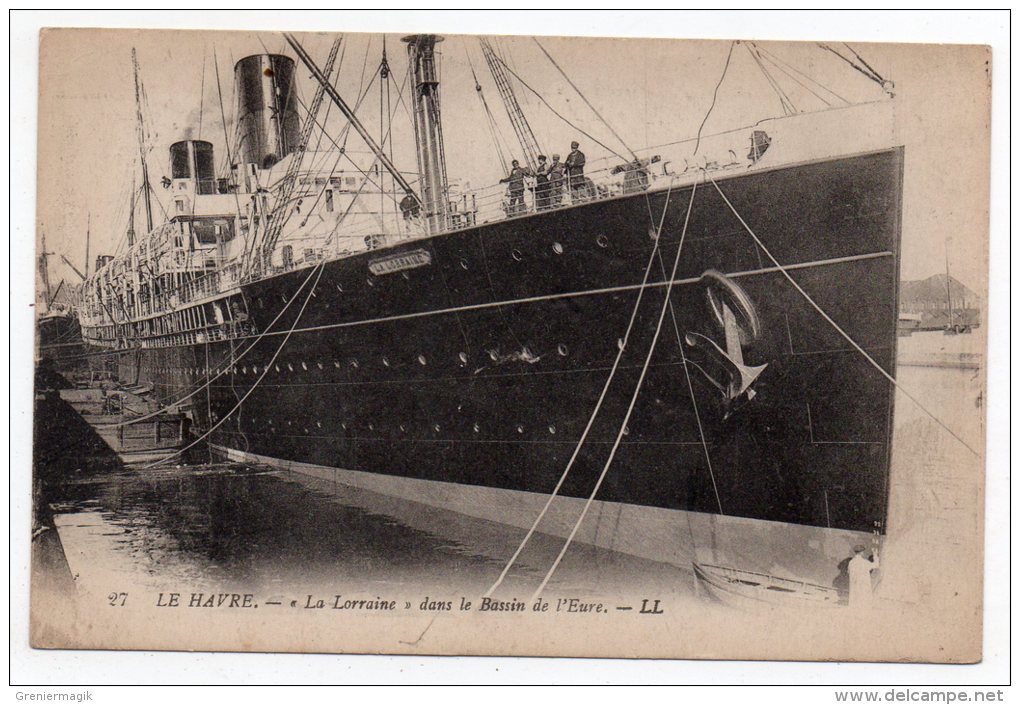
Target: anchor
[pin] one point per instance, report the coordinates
(740, 326)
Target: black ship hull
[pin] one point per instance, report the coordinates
(472, 362)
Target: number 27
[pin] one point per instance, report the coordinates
(117, 599)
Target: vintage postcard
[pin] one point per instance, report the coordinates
(510, 345)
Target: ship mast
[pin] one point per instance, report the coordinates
(428, 128)
(141, 144)
(131, 217)
(949, 295)
(44, 269)
(88, 238)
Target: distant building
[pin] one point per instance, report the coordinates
(927, 298)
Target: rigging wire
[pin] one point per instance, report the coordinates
(584, 98)
(384, 70)
(779, 62)
(490, 120)
(345, 132)
(162, 208)
(793, 78)
(559, 115)
(784, 100)
(715, 95)
(350, 206)
(504, 53)
(344, 155)
(238, 137)
(346, 129)
(868, 72)
(621, 347)
(634, 397)
(249, 240)
(400, 95)
(866, 64)
(123, 207)
(201, 98)
(833, 323)
(529, 144)
(364, 67)
(329, 105)
(390, 110)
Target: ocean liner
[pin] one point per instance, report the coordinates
(58, 331)
(685, 353)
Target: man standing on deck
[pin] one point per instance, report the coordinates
(575, 169)
(542, 193)
(859, 570)
(515, 181)
(411, 209)
(555, 181)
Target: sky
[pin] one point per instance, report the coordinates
(648, 91)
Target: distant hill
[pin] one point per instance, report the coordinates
(927, 297)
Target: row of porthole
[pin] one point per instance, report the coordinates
(557, 248)
(437, 428)
(462, 357)
(476, 427)
(516, 254)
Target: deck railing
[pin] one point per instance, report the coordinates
(602, 179)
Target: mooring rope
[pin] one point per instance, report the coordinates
(585, 99)
(254, 386)
(833, 323)
(694, 401)
(598, 404)
(690, 386)
(715, 96)
(630, 409)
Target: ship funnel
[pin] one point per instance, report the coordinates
(267, 118)
(428, 127)
(193, 160)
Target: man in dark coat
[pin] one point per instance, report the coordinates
(515, 187)
(556, 172)
(543, 195)
(575, 168)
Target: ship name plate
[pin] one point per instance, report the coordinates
(400, 261)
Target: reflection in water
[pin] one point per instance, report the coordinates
(231, 527)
